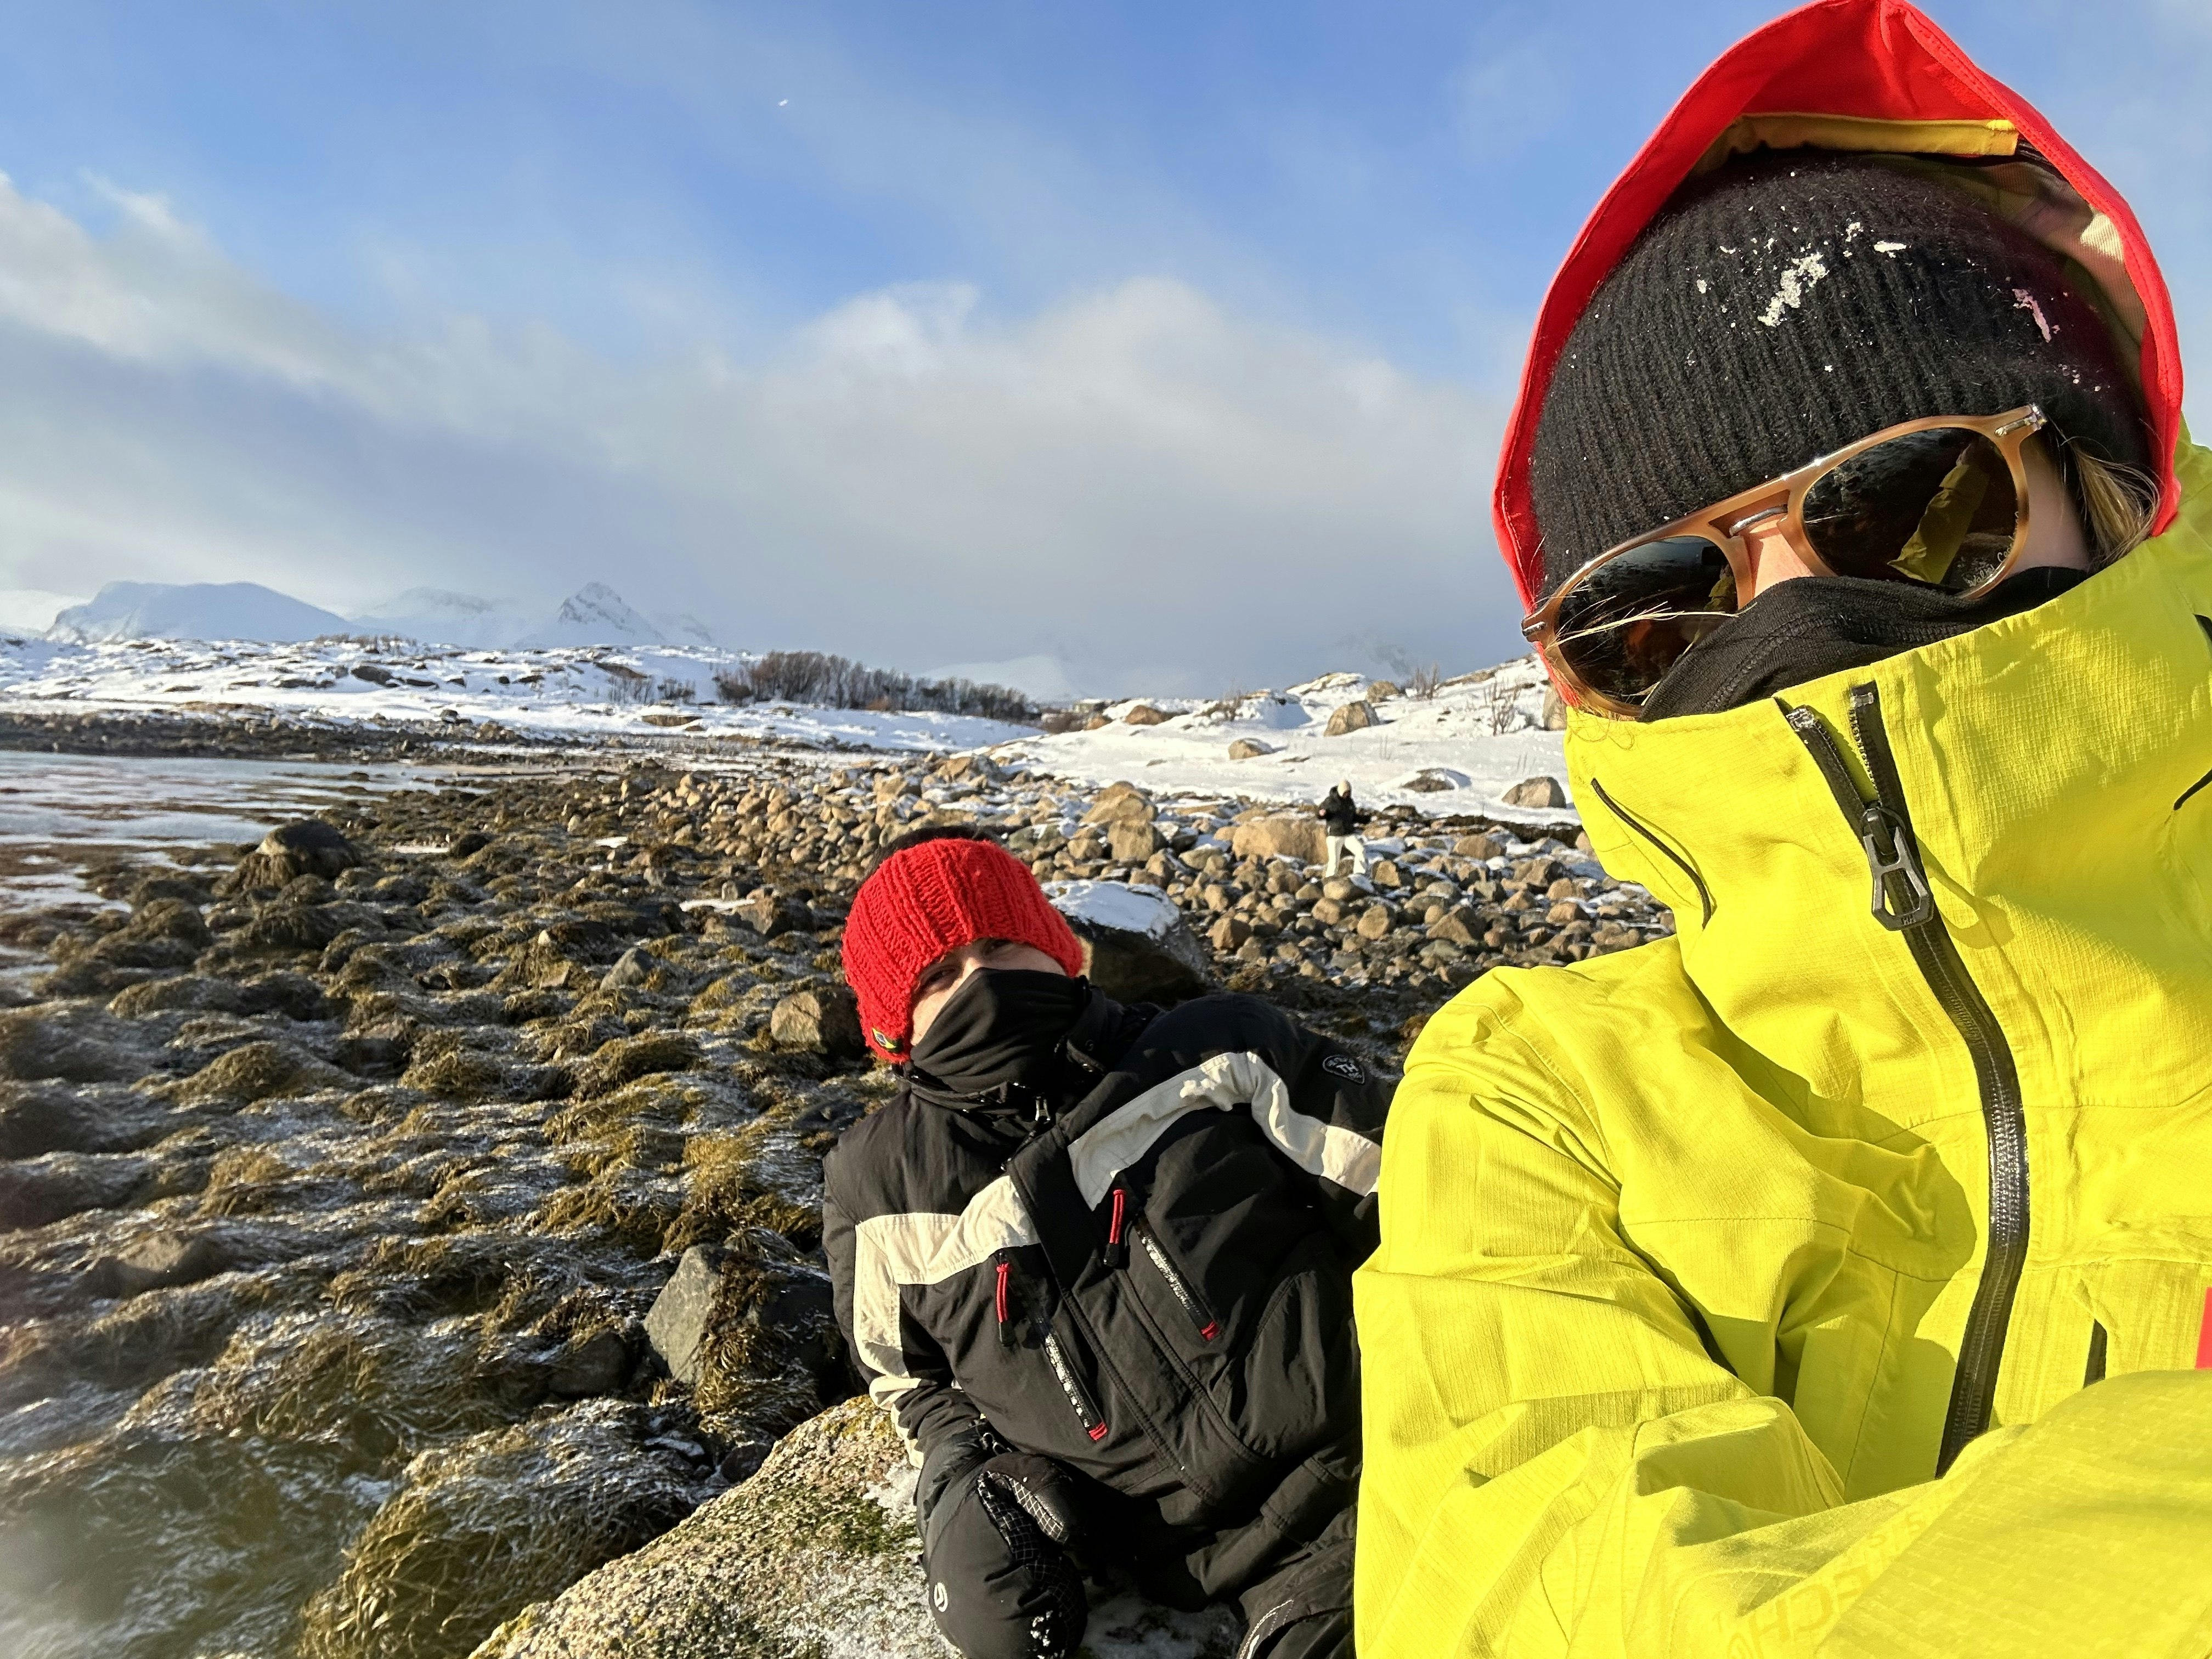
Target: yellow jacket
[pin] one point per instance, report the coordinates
(1745, 1294)
(1680, 1246)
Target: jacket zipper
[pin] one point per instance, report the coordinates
(1206, 1326)
(1904, 902)
(1086, 1409)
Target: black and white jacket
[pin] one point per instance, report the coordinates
(1148, 1280)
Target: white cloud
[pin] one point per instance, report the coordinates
(1132, 481)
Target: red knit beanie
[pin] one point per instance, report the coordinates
(924, 901)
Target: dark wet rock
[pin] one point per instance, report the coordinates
(78, 1043)
(160, 1261)
(824, 1019)
(306, 847)
(467, 844)
(37, 1118)
(40, 1190)
(771, 916)
(595, 1363)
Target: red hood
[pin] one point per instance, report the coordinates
(1863, 60)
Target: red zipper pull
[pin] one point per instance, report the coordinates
(1117, 1247)
(1005, 1320)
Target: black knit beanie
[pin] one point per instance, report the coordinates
(1782, 306)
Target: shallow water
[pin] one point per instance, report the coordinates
(56, 809)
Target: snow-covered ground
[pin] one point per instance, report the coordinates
(1456, 751)
(1475, 738)
(572, 692)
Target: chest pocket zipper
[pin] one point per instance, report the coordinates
(1201, 1319)
(1086, 1409)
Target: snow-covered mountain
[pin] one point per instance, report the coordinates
(593, 615)
(438, 616)
(194, 610)
(684, 629)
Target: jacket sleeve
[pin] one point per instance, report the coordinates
(908, 1376)
(1555, 1464)
(1340, 1103)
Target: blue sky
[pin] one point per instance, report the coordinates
(1169, 342)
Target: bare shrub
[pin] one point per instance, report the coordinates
(626, 684)
(816, 677)
(1425, 682)
(675, 690)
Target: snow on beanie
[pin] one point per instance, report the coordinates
(1786, 304)
(926, 900)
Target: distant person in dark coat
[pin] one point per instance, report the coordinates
(1341, 818)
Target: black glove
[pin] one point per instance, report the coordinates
(995, 1529)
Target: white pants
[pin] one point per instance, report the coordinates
(1342, 846)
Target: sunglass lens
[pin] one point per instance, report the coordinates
(1936, 506)
(1622, 627)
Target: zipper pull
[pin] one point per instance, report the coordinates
(1890, 851)
(1004, 1302)
(1888, 844)
(1117, 1246)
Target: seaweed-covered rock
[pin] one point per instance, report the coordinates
(479, 1528)
(306, 847)
(815, 1557)
(261, 1070)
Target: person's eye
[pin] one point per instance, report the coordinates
(937, 978)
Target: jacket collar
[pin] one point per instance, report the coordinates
(2048, 760)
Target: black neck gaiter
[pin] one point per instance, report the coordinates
(1803, 629)
(1004, 1028)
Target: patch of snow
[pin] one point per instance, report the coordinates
(1892, 248)
(1798, 280)
(1113, 904)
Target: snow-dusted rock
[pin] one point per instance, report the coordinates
(1140, 948)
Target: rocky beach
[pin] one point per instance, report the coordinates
(414, 1213)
